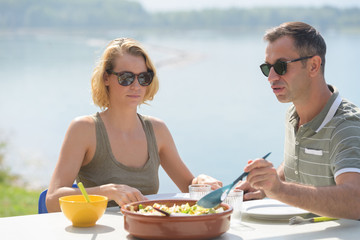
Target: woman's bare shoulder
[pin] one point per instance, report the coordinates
(162, 133)
(157, 123)
(82, 124)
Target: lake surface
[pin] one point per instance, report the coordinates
(213, 97)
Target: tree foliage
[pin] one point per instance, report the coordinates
(109, 14)
(70, 14)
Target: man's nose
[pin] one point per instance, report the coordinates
(273, 76)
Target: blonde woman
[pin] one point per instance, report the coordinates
(117, 152)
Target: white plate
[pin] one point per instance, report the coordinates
(270, 209)
(168, 196)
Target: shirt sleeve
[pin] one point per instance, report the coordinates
(345, 148)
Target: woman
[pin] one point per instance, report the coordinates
(117, 152)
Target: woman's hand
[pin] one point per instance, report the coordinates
(205, 179)
(121, 194)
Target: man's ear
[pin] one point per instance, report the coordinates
(314, 65)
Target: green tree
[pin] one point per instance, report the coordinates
(14, 200)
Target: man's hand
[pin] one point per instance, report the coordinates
(249, 192)
(263, 176)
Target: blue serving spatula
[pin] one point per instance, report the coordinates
(217, 196)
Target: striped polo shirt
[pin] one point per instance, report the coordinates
(327, 146)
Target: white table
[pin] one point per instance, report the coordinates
(111, 227)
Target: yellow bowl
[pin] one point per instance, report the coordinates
(82, 213)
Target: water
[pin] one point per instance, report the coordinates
(213, 97)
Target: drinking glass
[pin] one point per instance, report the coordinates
(197, 191)
(235, 199)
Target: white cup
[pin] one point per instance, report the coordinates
(235, 199)
(197, 191)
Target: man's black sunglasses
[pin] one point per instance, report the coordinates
(279, 66)
(127, 78)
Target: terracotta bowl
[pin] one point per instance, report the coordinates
(175, 227)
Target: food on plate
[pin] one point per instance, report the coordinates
(183, 209)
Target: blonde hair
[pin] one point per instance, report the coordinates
(99, 92)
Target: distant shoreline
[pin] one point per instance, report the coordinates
(132, 17)
(141, 32)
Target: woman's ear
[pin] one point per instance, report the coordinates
(314, 65)
(106, 77)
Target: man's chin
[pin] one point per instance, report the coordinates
(282, 99)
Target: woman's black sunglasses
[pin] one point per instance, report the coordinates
(127, 78)
(279, 66)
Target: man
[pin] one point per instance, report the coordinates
(321, 168)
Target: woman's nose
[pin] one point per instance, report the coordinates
(136, 83)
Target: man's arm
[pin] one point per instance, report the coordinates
(340, 200)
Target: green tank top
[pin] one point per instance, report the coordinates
(104, 168)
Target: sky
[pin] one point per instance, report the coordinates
(171, 5)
